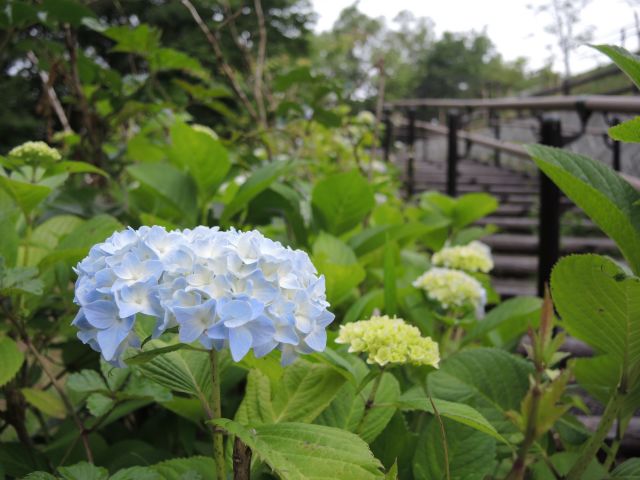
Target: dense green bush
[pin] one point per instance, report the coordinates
(441, 394)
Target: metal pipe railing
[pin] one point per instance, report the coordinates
(592, 103)
(550, 134)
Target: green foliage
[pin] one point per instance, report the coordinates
(470, 453)
(341, 201)
(604, 196)
(628, 131)
(286, 448)
(11, 359)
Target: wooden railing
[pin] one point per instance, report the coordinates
(550, 133)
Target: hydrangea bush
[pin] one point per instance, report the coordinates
(453, 289)
(220, 288)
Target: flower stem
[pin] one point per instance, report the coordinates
(595, 442)
(218, 439)
(370, 400)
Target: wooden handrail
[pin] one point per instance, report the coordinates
(594, 103)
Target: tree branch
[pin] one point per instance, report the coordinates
(51, 94)
(225, 67)
(260, 61)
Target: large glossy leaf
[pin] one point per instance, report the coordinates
(472, 207)
(471, 454)
(600, 305)
(335, 259)
(11, 359)
(300, 451)
(202, 155)
(490, 380)
(175, 187)
(347, 411)
(416, 399)
(608, 199)
(26, 195)
(300, 395)
(628, 131)
(259, 181)
(507, 321)
(341, 201)
(184, 371)
(627, 61)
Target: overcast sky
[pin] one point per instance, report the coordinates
(514, 29)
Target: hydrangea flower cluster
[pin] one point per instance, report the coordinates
(474, 257)
(221, 288)
(389, 340)
(453, 288)
(36, 153)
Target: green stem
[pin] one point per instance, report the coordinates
(615, 446)
(218, 439)
(595, 442)
(370, 401)
(443, 435)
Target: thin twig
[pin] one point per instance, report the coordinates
(443, 434)
(225, 67)
(51, 94)
(260, 61)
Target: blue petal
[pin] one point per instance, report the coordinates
(101, 313)
(240, 341)
(317, 339)
(111, 338)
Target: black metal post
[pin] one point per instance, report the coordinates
(411, 140)
(615, 149)
(494, 120)
(388, 132)
(549, 216)
(453, 121)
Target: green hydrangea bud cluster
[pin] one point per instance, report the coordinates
(35, 153)
(389, 340)
(452, 288)
(474, 257)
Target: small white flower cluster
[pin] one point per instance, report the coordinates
(221, 288)
(453, 289)
(474, 257)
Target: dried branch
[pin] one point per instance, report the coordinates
(51, 94)
(225, 67)
(260, 61)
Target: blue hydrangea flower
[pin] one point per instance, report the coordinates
(224, 289)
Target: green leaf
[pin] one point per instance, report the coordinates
(300, 451)
(625, 60)
(183, 371)
(149, 355)
(341, 201)
(507, 321)
(373, 238)
(74, 167)
(86, 381)
(203, 156)
(336, 261)
(66, 11)
(142, 39)
(348, 408)
(201, 468)
(47, 402)
(11, 359)
(471, 207)
(490, 380)
(167, 182)
(136, 473)
(300, 395)
(562, 463)
(604, 196)
(416, 399)
(99, 404)
(471, 454)
(628, 131)
(600, 305)
(26, 195)
(163, 59)
(20, 280)
(83, 471)
(629, 469)
(259, 181)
